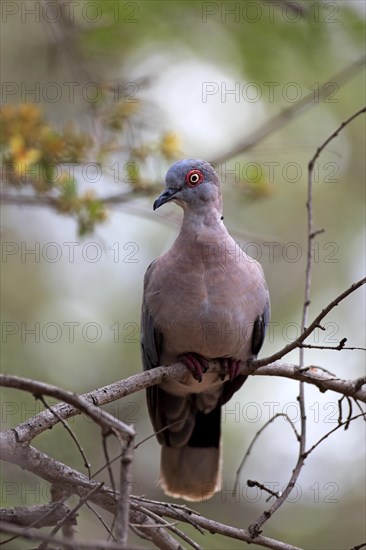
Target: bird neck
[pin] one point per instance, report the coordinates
(203, 214)
(202, 224)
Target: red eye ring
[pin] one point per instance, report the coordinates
(194, 178)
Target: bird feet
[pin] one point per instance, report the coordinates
(231, 367)
(196, 364)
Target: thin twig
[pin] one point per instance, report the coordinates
(340, 347)
(329, 139)
(346, 422)
(179, 508)
(111, 461)
(315, 324)
(70, 431)
(168, 525)
(70, 515)
(259, 432)
(350, 411)
(253, 483)
(123, 501)
(158, 432)
(107, 459)
(255, 527)
(109, 531)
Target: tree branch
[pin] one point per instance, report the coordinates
(284, 116)
(51, 470)
(312, 374)
(182, 513)
(61, 542)
(311, 234)
(74, 482)
(35, 516)
(38, 389)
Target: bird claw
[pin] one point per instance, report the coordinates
(231, 367)
(196, 364)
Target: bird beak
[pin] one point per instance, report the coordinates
(166, 196)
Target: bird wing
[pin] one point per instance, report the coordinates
(258, 335)
(151, 342)
(170, 412)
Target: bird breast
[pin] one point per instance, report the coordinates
(209, 303)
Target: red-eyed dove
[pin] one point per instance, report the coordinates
(203, 299)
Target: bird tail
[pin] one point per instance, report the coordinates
(193, 471)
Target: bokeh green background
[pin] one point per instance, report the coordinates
(173, 53)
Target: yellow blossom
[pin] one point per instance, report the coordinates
(29, 112)
(170, 145)
(22, 157)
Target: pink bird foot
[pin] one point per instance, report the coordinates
(231, 367)
(196, 364)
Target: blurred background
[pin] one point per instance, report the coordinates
(99, 98)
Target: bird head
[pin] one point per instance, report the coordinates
(190, 183)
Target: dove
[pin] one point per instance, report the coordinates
(203, 299)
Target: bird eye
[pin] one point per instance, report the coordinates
(194, 178)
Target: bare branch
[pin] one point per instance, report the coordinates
(181, 513)
(61, 542)
(312, 374)
(101, 417)
(267, 514)
(27, 200)
(70, 431)
(341, 346)
(122, 507)
(169, 526)
(54, 471)
(17, 199)
(329, 139)
(34, 516)
(70, 515)
(107, 461)
(318, 377)
(340, 425)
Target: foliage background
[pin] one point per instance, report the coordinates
(171, 52)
